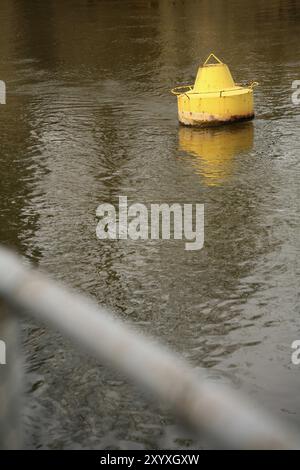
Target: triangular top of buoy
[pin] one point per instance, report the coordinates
(212, 56)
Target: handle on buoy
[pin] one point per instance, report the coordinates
(175, 91)
(247, 84)
(214, 56)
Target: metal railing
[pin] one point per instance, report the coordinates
(224, 416)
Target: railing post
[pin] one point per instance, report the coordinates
(10, 381)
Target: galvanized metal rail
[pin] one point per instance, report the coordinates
(213, 411)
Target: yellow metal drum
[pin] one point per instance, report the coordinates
(215, 98)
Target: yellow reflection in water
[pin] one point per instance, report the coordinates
(215, 149)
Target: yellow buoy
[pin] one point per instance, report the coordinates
(215, 98)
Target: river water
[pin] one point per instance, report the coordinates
(89, 117)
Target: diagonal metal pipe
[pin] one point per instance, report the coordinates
(213, 411)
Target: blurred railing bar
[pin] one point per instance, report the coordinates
(10, 381)
(213, 411)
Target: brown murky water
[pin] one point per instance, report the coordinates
(89, 117)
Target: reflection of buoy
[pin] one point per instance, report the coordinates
(215, 98)
(215, 149)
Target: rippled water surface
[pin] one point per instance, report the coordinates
(89, 117)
